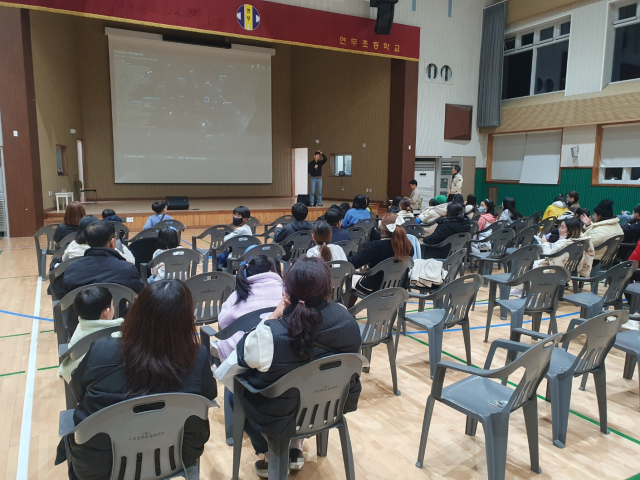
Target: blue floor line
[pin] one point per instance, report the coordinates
(26, 316)
(186, 242)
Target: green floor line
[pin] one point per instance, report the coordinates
(635, 477)
(579, 415)
(46, 331)
(48, 368)
(16, 335)
(12, 373)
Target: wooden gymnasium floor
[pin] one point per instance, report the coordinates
(385, 430)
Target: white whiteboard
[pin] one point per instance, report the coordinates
(508, 156)
(542, 158)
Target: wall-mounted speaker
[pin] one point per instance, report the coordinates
(306, 199)
(384, 19)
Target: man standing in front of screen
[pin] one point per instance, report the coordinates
(315, 171)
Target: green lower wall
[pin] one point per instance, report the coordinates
(531, 198)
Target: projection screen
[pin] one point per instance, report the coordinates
(189, 113)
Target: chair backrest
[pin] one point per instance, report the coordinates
(60, 269)
(148, 233)
(414, 229)
(473, 229)
(498, 210)
(122, 231)
(382, 310)
(284, 219)
(358, 236)
(177, 224)
(239, 244)
(216, 236)
(491, 228)
(179, 263)
(618, 278)
(323, 385)
(457, 241)
(542, 287)
(348, 246)
(546, 225)
(271, 250)
(452, 265)
(500, 240)
(253, 223)
(146, 433)
(66, 240)
(575, 251)
(300, 242)
(525, 236)
(519, 225)
(244, 323)
(521, 261)
(409, 221)
(341, 278)
(395, 272)
(209, 291)
(48, 231)
(600, 332)
(535, 217)
(143, 250)
(80, 348)
(610, 248)
(456, 298)
(368, 224)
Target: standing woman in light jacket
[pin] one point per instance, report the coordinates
(509, 212)
(306, 326)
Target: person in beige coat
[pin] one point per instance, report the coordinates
(569, 231)
(604, 225)
(430, 214)
(456, 183)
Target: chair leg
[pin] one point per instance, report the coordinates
(347, 454)
(496, 434)
(70, 400)
(553, 324)
(392, 364)
(434, 336)
(322, 443)
(278, 459)
(421, 304)
(600, 380)
(228, 417)
(43, 265)
(505, 292)
(629, 366)
(560, 389)
(536, 321)
(595, 309)
(238, 430)
(530, 411)
(490, 306)
(428, 412)
(466, 334)
(583, 383)
(366, 352)
(471, 427)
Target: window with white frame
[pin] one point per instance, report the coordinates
(620, 155)
(626, 47)
(341, 165)
(535, 59)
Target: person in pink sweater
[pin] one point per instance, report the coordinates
(257, 286)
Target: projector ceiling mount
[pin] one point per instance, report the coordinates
(384, 19)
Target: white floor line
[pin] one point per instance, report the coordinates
(25, 431)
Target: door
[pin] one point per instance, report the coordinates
(300, 163)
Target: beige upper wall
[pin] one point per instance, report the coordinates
(55, 65)
(520, 9)
(342, 100)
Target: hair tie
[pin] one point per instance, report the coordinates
(301, 302)
(399, 221)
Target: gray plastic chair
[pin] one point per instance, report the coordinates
(382, 310)
(483, 400)
(523, 238)
(415, 230)
(341, 280)
(41, 253)
(520, 225)
(209, 291)
(253, 223)
(122, 231)
(600, 334)
(368, 224)
(394, 273)
(155, 422)
(76, 352)
(629, 343)
(175, 224)
(299, 243)
(148, 233)
(60, 269)
(349, 247)
(535, 217)
(451, 308)
(515, 265)
(546, 225)
(500, 240)
(66, 241)
(456, 242)
(319, 410)
(122, 297)
(179, 264)
(215, 240)
(237, 245)
(617, 278)
(358, 236)
(452, 265)
(541, 293)
(610, 248)
(271, 250)
(574, 251)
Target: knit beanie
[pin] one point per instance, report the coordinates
(605, 208)
(441, 199)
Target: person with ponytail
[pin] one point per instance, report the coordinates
(305, 326)
(393, 244)
(324, 249)
(509, 213)
(455, 222)
(258, 286)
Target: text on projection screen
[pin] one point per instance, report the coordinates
(189, 114)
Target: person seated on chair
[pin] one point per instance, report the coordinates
(509, 212)
(554, 234)
(240, 227)
(344, 208)
(395, 205)
(357, 213)
(109, 215)
(632, 228)
(159, 352)
(572, 200)
(454, 222)
(281, 233)
(557, 208)
(569, 231)
(487, 217)
(470, 206)
(72, 215)
(160, 215)
(334, 219)
(604, 226)
(431, 213)
(167, 239)
(406, 211)
(94, 306)
(258, 286)
(393, 244)
(305, 326)
(321, 235)
(79, 245)
(102, 263)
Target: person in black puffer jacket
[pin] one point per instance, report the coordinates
(454, 222)
(305, 326)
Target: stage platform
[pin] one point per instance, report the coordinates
(202, 212)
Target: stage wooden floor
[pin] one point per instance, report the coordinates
(385, 430)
